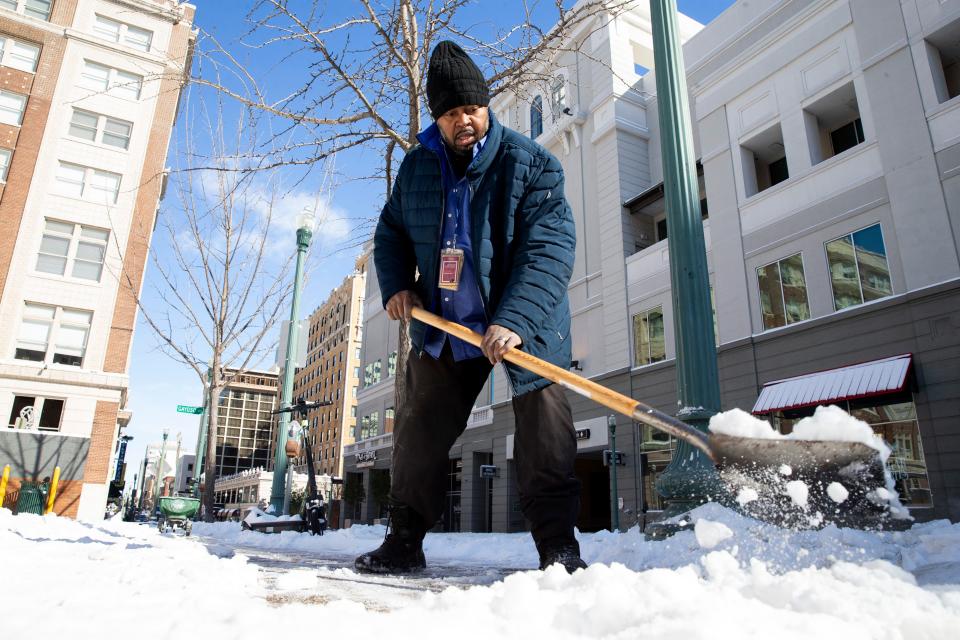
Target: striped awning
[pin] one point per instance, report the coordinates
(888, 375)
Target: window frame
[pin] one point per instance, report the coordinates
(85, 185)
(558, 96)
(856, 262)
(75, 239)
(5, 165)
(39, 404)
(23, 107)
(112, 81)
(783, 302)
(123, 28)
(55, 325)
(99, 129)
(636, 347)
(536, 108)
(6, 52)
(20, 6)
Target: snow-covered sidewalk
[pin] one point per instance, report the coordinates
(731, 577)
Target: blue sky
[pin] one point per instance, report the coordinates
(157, 383)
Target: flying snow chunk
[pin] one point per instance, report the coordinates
(710, 534)
(741, 424)
(837, 492)
(785, 470)
(747, 495)
(798, 492)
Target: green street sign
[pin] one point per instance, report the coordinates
(183, 408)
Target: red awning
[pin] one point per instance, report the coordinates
(877, 377)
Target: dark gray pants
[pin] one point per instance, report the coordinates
(440, 397)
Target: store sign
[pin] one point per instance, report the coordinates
(366, 458)
(488, 471)
(620, 461)
(583, 434)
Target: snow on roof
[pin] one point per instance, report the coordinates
(887, 375)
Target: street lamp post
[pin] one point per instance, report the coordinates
(690, 478)
(159, 477)
(304, 234)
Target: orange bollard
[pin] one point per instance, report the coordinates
(53, 491)
(3, 483)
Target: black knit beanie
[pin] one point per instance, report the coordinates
(454, 80)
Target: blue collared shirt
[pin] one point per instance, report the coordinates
(465, 305)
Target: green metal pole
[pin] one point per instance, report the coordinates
(286, 393)
(200, 457)
(614, 497)
(691, 478)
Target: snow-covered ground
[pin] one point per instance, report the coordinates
(727, 577)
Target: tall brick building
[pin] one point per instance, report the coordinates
(88, 97)
(332, 371)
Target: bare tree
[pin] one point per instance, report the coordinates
(220, 284)
(365, 80)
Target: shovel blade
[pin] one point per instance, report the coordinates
(806, 483)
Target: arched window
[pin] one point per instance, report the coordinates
(536, 117)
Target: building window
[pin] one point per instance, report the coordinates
(11, 108)
(943, 56)
(53, 334)
(648, 338)
(392, 364)
(115, 82)
(764, 160)
(558, 96)
(114, 31)
(858, 268)
(31, 412)
(536, 117)
(388, 417)
(18, 55)
(353, 411)
(99, 128)
(833, 124)
(80, 248)
(783, 292)
(39, 9)
(76, 181)
(5, 155)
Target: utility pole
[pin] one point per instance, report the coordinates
(176, 465)
(304, 234)
(691, 478)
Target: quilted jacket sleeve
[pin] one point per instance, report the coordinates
(543, 257)
(393, 253)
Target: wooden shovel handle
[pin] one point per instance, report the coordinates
(633, 409)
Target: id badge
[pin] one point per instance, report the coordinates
(451, 264)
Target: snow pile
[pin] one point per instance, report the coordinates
(726, 577)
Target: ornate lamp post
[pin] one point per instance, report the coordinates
(690, 478)
(305, 222)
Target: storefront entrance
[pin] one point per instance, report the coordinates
(595, 494)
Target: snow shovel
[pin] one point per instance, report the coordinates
(761, 465)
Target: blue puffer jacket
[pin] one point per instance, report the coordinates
(523, 242)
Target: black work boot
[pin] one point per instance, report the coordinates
(402, 548)
(566, 552)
